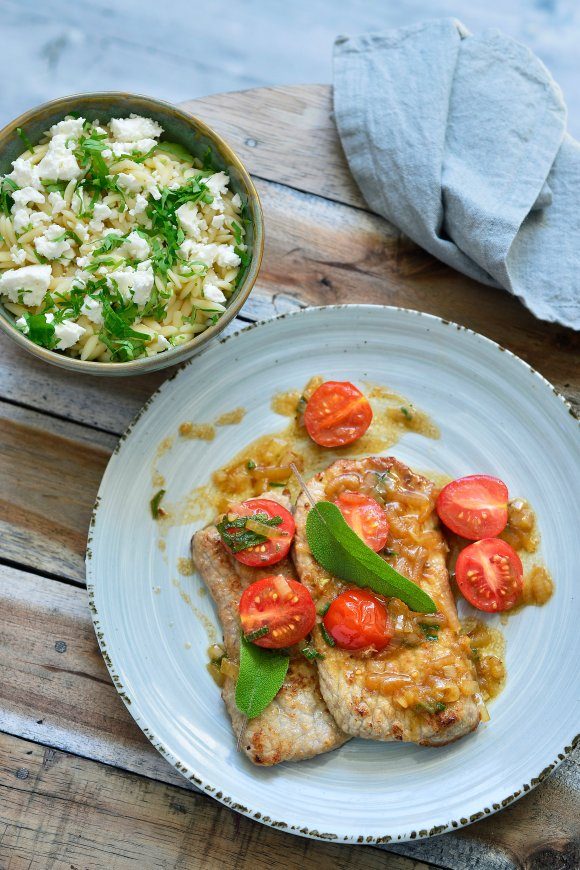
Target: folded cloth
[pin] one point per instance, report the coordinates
(460, 141)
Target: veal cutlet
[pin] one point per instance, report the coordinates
(422, 687)
(296, 725)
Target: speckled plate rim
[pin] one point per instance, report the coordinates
(191, 348)
(215, 791)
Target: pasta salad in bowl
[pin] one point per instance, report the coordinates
(130, 233)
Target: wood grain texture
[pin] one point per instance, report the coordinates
(57, 431)
(59, 811)
(274, 130)
(55, 690)
(50, 471)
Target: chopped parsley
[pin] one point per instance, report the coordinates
(237, 537)
(327, 638)
(257, 634)
(431, 632)
(310, 653)
(155, 503)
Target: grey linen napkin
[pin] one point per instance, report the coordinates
(460, 141)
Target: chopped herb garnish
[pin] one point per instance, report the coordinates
(39, 330)
(155, 503)
(259, 632)
(7, 188)
(237, 537)
(301, 405)
(28, 144)
(406, 413)
(324, 609)
(237, 231)
(310, 653)
(431, 632)
(327, 638)
(388, 552)
(250, 464)
(432, 707)
(175, 150)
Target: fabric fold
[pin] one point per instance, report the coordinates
(460, 141)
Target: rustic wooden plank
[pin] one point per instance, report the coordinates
(50, 471)
(61, 811)
(284, 134)
(55, 690)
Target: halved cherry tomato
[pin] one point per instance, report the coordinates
(489, 574)
(474, 507)
(357, 619)
(366, 517)
(285, 607)
(337, 413)
(274, 549)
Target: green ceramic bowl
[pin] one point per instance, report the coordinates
(180, 127)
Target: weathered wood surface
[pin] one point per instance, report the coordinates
(59, 811)
(56, 434)
(56, 691)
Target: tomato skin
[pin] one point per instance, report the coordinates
(337, 413)
(272, 551)
(284, 605)
(357, 619)
(366, 517)
(474, 507)
(489, 574)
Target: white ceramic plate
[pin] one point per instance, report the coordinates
(496, 416)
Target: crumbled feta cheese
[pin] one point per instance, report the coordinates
(227, 257)
(82, 262)
(22, 325)
(141, 145)
(140, 205)
(213, 293)
(128, 182)
(29, 281)
(217, 184)
(24, 174)
(102, 211)
(160, 344)
(190, 219)
(135, 247)
(51, 245)
(134, 284)
(218, 221)
(59, 163)
(57, 202)
(18, 255)
(93, 309)
(25, 195)
(24, 219)
(154, 191)
(68, 333)
(106, 153)
(205, 254)
(71, 128)
(236, 201)
(135, 127)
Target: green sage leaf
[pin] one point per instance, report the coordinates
(262, 673)
(340, 551)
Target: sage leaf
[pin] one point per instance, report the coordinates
(261, 675)
(340, 551)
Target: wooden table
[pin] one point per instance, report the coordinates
(80, 786)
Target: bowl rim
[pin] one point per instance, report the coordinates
(177, 354)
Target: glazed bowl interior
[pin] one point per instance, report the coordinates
(197, 138)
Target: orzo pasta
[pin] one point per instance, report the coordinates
(115, 244)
